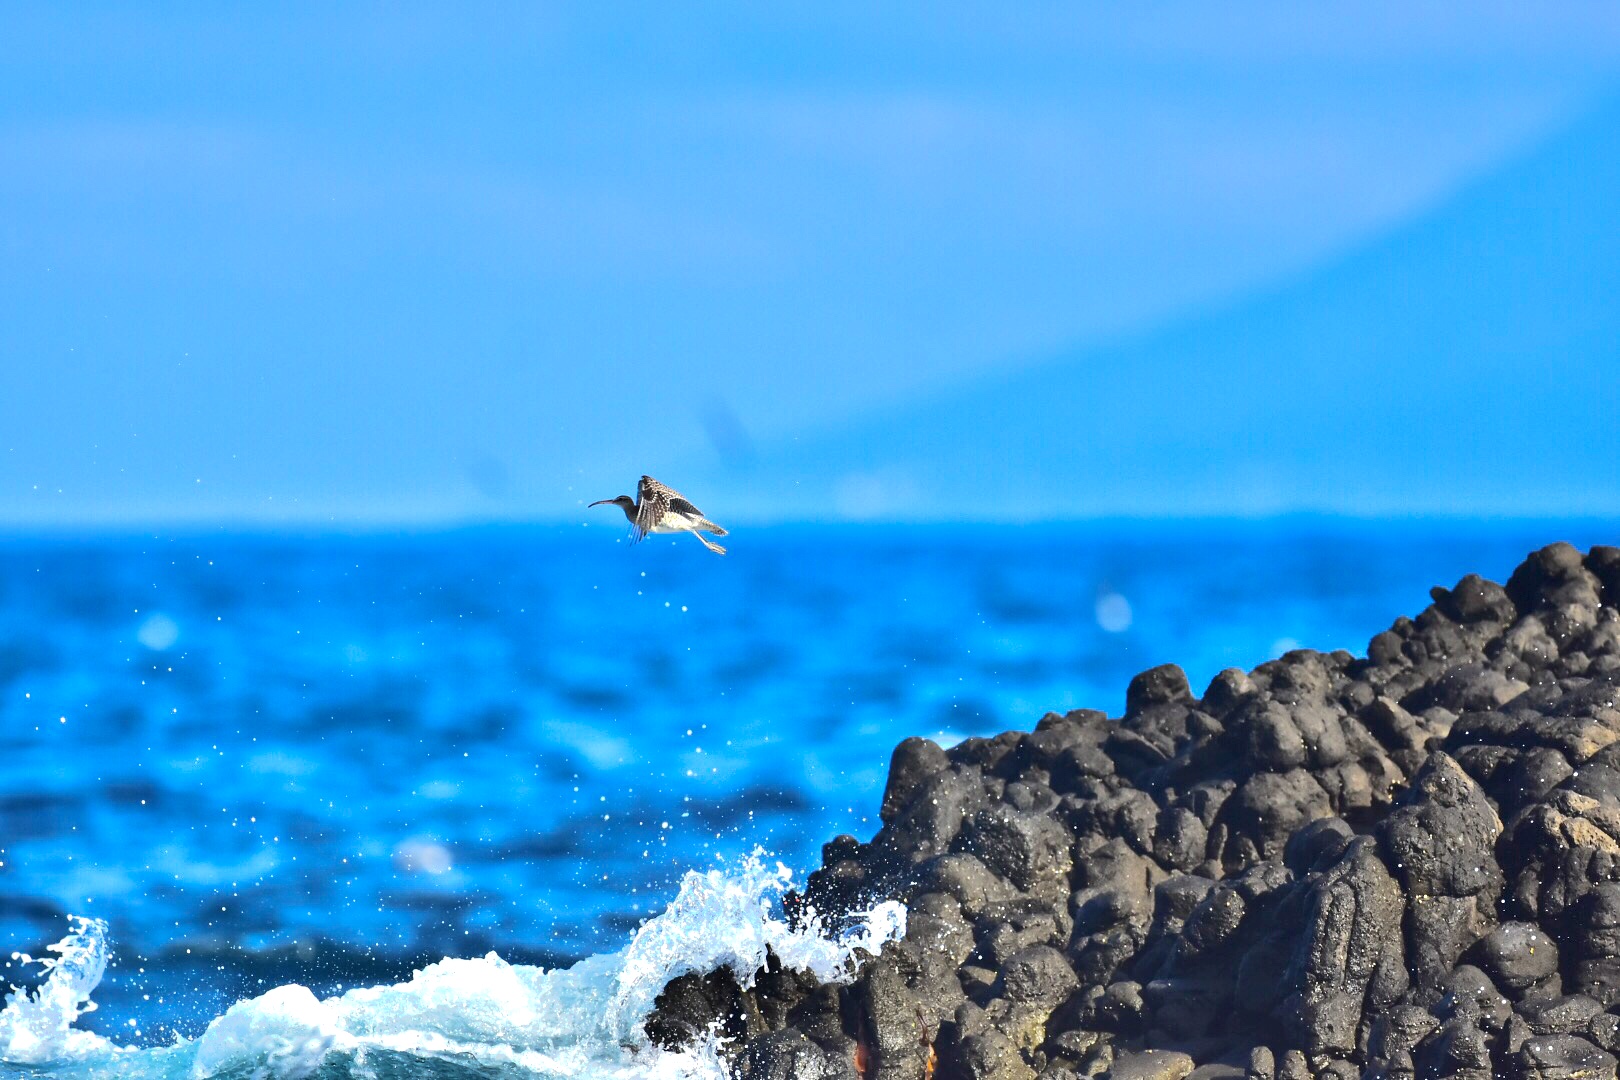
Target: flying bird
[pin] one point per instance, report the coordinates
(660, 509)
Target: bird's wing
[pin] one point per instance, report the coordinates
(683, 506)
(653, 504)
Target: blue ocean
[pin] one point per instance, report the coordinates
(457, 803)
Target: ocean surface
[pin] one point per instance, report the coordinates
(273, 776)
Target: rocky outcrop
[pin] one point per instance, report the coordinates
(1402, 865)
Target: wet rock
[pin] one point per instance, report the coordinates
(1320, 842)
(971, 1048)
(1559, 1015)
(1517, 956)
(1393, 726)
(1163, 685)
(1175, 899)
(1595, 933)
(895, 1018)
(1457, 1048)
(1439, 842)
(1135, 757)
(1525, 648)
(1152, 1065)
(789, 1055)
(978, 983)
(1440, 838)
(1474, 599)
(1386, 649)
(1130, 815)
(1029, 850)
(1559, 850)
(1293, 1066)
(1038, 974)
(1577, 738)
(1075, 1048)
(1119, 1008)
(1003, 936)
(1350, 954)
(1229, 916)
(914, 761)
(935, 924)
(1515, 778)
(929, 823)
(1604, 564)
(1116, 887)
(1216, 1072)
(1268, 807)
(966, 880)
(1182, 1008)
(1226, 690)
(1604, 1031)
(1536, 580)
(1394, 1035)
(1468, 993)
(1180, 841)
(1275, 743)
(1468, 687)
(1563, 1057)
(694, 1004)
(1100, 956)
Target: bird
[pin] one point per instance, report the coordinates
(661, 509)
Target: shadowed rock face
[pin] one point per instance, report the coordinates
(1406, 865)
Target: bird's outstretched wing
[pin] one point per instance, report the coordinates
(681, 505)
(653, 502)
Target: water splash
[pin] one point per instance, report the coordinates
(36, 1026)
(579, 1022)
(726, 919)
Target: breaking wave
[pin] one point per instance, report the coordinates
(455, 1018)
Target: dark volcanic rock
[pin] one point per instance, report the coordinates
(1163, 685)
(1152, 1065)
(1029, 850)
(1594, 936)
(790, 1055)
(1037, 974)
(1348, 959)
(914, 761)
(1402, 866)
(1517, 956)
(692, 1004)
(1564, 1057)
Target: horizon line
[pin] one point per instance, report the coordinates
(99, 526)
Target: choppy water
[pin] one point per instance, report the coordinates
(457, 1017)
(329, 760)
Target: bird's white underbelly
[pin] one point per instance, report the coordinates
(673, 523)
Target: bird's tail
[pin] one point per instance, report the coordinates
(708, 526)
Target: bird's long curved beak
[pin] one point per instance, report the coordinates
(599, 502)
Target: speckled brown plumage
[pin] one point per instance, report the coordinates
(659, 508)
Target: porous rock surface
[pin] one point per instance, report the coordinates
(1406, 865)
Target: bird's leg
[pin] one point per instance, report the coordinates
(706, 542)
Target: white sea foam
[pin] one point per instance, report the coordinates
(36, 1026)
(578, 1022)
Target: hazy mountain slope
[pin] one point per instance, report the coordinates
(1468, 362)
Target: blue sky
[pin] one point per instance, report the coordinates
(369, 263)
